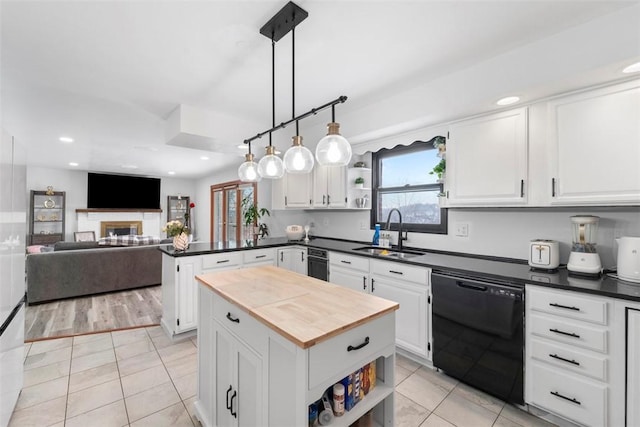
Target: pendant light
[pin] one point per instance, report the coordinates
(333, 149)
(271, 166)
(298, 158)
(248, 171)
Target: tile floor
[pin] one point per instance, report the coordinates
(138, 377)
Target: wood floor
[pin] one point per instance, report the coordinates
(105, 312)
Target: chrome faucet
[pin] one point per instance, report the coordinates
(400, 237)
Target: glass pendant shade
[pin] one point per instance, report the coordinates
(271, 166)
(298, 158)
(248, 171)
(333, 149)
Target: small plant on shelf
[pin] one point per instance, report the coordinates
(439, 169)
(359, 181)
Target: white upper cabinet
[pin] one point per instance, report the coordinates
(329, 186)
(594, 141)
(487, 160)
(291, 191)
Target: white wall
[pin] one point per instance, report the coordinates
(74, 183)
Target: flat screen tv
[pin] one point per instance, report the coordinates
(106, 191)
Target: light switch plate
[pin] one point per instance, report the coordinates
(462, 229)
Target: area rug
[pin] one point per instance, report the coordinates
(94, 314)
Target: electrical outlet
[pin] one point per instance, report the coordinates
(462, 229)
(364, 225)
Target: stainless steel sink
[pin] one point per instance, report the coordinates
(388, 252)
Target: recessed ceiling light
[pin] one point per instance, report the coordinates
(633, 68)
(243, 147)
(508, 100)
(73, 164)
(171, 173)
(204, 158)
(129, 166)
(65, 139)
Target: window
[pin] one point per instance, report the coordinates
(402, 180)
(226, 218)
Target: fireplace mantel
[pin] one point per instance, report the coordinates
(94, 210)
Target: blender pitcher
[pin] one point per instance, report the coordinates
(583, 258)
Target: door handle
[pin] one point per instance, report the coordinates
(573, 362)
(281, 254)
(345, 262)
(260, 256)
(473, 287)
(553, 304)
(570, 399)
(328, 199)
(323, 199)
(373, 281)
(522, 188)
(569, 334)
(302, 256)
(553, 187)
(233, 396)
(227, 400)
(364, 282)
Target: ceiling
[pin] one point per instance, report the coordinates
(110, 73)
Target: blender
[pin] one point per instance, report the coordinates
(583, 258)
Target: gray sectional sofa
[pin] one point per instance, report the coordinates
(84, 268)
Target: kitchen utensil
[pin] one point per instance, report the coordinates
(294, 232)
(306, 233)
(629, 258)
(361, 202)
(583, 258)
(544, 254)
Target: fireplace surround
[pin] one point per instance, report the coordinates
(120, 228)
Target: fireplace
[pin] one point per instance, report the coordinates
(120, 228)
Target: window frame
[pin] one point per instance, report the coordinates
(376, 159)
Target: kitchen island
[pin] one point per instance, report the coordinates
(271, 342)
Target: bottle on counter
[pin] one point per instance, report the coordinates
(338, 400)
(376, 235)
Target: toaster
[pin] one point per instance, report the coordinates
(544, 254)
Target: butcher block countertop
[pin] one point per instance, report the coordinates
(304, 310)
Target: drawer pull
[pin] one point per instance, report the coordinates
(358, 347)
(227, 400)
(222, 261)
(364, 282)
(570, 399)
(573, 362)
(260, 256)
(553, 304)
(345, 262)
(233, 319)
(569, 334)
(396, 272)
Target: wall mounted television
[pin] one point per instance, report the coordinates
(106, 191)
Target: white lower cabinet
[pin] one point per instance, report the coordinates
(568, 356)
(248, 375)
(180, 289)
(633, 367)
(293, 258)
(405, 284)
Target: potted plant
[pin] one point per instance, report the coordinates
(439, 169)
(359, 182)
(252, 214)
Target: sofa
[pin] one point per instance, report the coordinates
(76, 269)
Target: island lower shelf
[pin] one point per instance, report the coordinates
(250, 373)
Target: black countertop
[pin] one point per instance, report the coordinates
(514, 271)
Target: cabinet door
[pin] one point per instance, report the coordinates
(487, 160)
(595, 139)
(293, 259)
(320, 179)
(248, 404)
(298, 190)
(411, 317)
(337, 186)
(358, 281)
(187, 294)
(225, 378)
(633, 368)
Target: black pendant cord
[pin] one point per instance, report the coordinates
(273, 86)
(333, 113)
(293, 75)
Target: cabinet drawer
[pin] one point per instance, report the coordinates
(258, 255)
(573, 333)
(568, 396)
(340, 352)
(569, 304)
(223, 260)
(240, 323)
(349, 261)
(570, 358)
(400, 271)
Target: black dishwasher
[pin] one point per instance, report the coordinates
(478, 333)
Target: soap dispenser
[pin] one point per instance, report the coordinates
(376, 235)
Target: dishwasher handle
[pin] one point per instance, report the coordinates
(468, 285)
